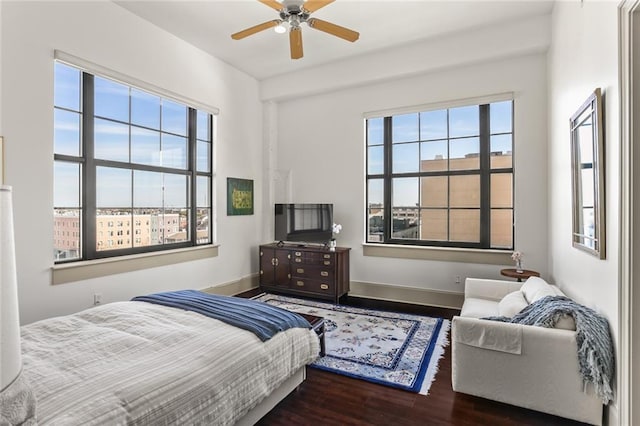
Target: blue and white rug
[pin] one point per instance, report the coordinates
(392, 349)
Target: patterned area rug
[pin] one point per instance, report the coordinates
(392, 349)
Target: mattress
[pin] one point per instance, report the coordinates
(139, 364)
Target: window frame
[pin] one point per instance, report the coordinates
(484, 172)
(88, 164)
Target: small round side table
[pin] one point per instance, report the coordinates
(512, 273)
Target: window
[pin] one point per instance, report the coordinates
(124, 157)
(442, 177)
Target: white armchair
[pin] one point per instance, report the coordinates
(527, 366)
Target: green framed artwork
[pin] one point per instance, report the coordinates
(239, 197)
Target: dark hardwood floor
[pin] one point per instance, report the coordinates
(330, 399)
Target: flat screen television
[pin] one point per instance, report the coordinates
(304, 223)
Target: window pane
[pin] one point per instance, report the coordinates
(464, 191)
(66, 134)
(502, 228)
(202, 124)
(465, 154)
(113, 229)
(174, 117)
(501, 151)
(174, 151)
(145, 146)
(433, 125)
(375, 160)
(203, 156)
(405, 158)
(147, 189)
(464, 121)
(175, 191)
(433, 225)
(111, 99)
(202, 217)
(404, 128)
(375, 131)
(145, 109)
(145, 227)
(375, 193)
(434, 191)
(500, 117)
(501, 190)
(66, 88)
(66, 187)
(175, 227)
(111, 140)
(113, 187)
(588, 226)
(66, 234)
(464, 225)
(376, 225)
(203, 192)
(405, 223)
(405, 192)
(433, 156)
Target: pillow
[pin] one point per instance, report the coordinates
(511, 304)
(535, 288)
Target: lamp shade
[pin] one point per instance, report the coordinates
(10, 358)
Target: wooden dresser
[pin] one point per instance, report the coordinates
(311, 271)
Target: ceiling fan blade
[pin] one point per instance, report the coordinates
(272, 4)
(255, 29)
(295, 41)
(333, 29)
(313, 5)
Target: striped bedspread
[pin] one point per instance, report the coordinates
(137, 363)
(260, 318)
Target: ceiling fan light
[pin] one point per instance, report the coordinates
(280, 28)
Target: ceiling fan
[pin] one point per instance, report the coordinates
(294, 13)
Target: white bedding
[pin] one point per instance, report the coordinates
(139, 363)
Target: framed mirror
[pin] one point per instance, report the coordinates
(587, 161)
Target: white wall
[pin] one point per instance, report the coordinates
(106, 34)
(583, 56)
(321, 141)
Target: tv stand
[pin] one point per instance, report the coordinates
(311, 271)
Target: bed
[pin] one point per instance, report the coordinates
(139, 363)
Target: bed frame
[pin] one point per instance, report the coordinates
(278, 394)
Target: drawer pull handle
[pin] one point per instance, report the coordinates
(261, 272)
(261, 253)
(289, 276)
(298, 253)
(298, 260)
(327, 256)
(289, 256)
(300, 283)
(300, 271)
(324, 286)
(327, 262)
(324, 273)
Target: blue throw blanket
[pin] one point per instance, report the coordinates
(595, 350)
(260, 318)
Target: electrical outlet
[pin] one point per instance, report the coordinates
(97, 299)
(458, 279)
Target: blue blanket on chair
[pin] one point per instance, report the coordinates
(260, 318)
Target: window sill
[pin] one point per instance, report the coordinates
(84, 270)
(442, 254)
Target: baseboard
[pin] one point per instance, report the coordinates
(420, 296)
(235, 287)
(392, 293)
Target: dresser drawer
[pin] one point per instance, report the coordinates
(313, 286)
(313, 258)
(313, 272)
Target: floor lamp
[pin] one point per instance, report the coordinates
(17, 402)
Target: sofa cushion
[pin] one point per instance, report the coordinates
(479, 308)
(511, 304)
(535, 288)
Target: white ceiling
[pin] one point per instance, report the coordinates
(208, 25)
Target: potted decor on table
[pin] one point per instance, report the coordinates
(517, 256)
(335, 230)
